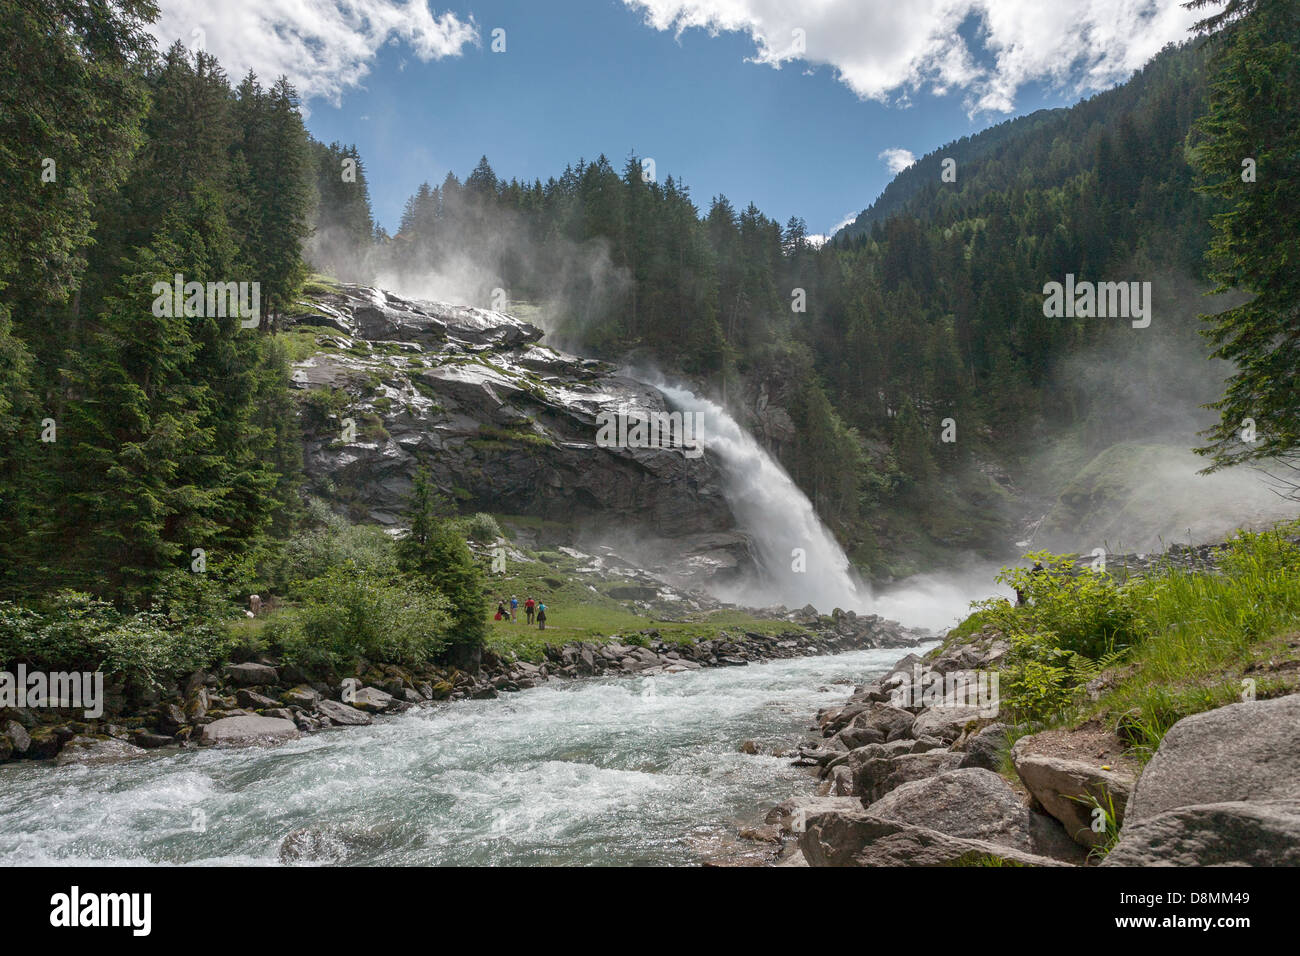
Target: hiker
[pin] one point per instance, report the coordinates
(541, 616)
(530, 608)
(501, 609)
(514, 609)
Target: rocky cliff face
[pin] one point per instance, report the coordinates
(506, 425)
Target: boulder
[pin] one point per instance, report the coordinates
(302, 696)
(247, 730)
(946, 723)
(171, 718)
(371, 699)
(984, 749)
(1248, 751)
(877, 723)
(46, 741)
(1235, 833)
(976, 804)
(251, 674)
(855, 758)
(1067, 789)
(343, 714)
(253, 700)
(16, 733)
(854, 838)
(197, 705)
(877, 777)
(85, 749)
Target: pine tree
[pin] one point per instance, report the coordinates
(1254, 118)
(434, 551)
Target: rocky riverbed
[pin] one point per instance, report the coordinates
(908, 782)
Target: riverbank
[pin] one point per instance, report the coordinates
(1007, 746)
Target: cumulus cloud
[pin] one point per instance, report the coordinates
(325, 47)
(882, 51)
(897, 159)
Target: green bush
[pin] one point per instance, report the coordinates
(479, 527)
(350, 612)
(333, 543)
(76, 631)
(1087, 611)
(1073, 624)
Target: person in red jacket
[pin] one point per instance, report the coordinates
(529, 607)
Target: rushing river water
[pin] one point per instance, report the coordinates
(613, 771)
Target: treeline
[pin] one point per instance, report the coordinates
(145, 439)
(151, 465)
(870, 342)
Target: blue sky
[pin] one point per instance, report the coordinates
(692, 83)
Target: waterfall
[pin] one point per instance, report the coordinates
(777, 516)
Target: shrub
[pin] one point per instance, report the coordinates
(76, 631)
(334, 543)
(1088, 612)
(479, 527)
(351, 612)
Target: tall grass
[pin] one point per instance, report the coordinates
(1205, 629)
(1174, 642)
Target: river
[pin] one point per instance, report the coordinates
(610, 771)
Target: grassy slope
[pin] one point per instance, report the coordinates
(580, 608)
(1203, 636)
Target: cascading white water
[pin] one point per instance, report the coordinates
(776, 515)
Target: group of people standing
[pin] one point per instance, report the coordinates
(532, 609)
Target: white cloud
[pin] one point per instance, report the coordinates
(884, 50)
(897, 159)
(325, 47)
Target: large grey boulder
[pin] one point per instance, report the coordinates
(855, 838)
(85, 750)
(18, 737)
(247, 730)
(1248, 751)
(979, 805)
(1223, 789)
(947, 722)
(251, 674)
(343, 714)
(984, 749)
(1068, 788)
(1238, 833)
(877, 723)
(370, 699)
(878, 776)
(302, 696)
